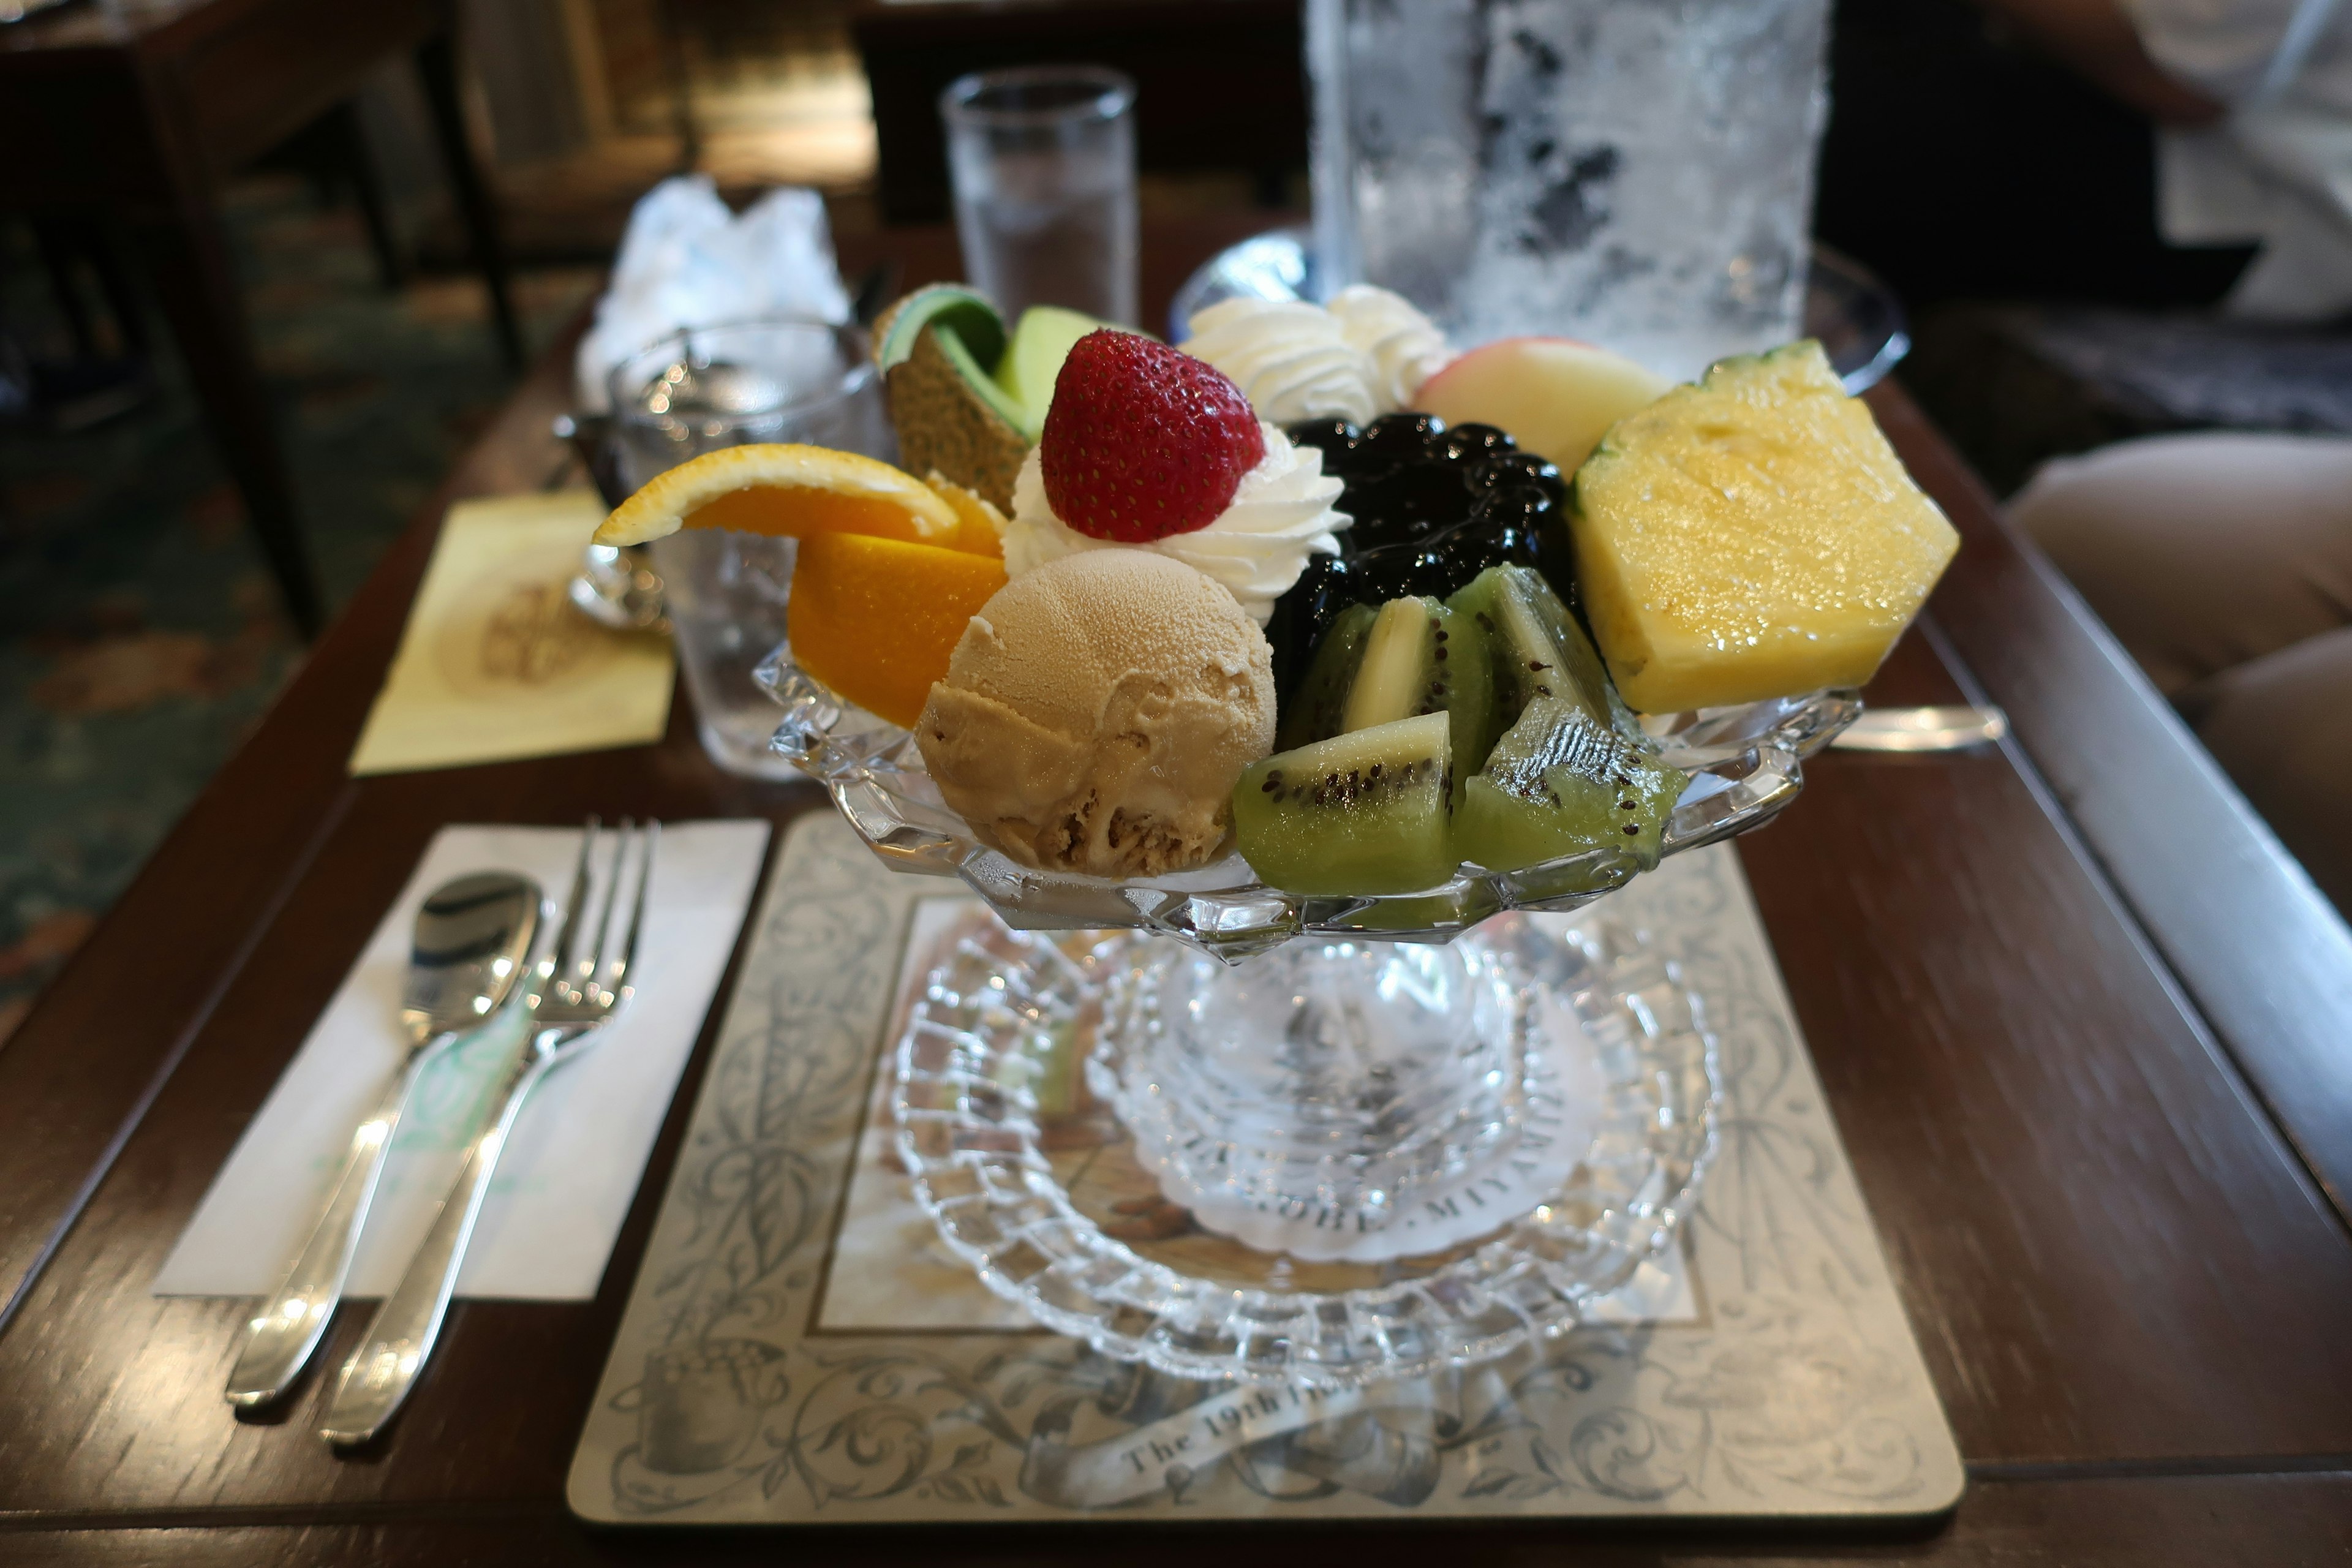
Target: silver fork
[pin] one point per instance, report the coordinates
(571, 1000)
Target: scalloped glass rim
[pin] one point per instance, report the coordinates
(1745, 764)
(970, 1134)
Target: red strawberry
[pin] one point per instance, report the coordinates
(1142, 440)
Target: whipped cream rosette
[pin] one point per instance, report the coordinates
(1288, 357)
(1402, 347)
(1283, 513)
(1366, 355)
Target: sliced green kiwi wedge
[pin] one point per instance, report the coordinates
(1573, 770)
(1408, 658)
(1359, 813)
(1395, 672)
(1313, 712)
(1534, 646)
(1558, 784)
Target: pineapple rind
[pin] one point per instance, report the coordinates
(1751, 536)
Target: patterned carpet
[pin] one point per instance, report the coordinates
(141, 638)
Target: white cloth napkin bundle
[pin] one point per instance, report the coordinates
(687, 261)
(564, 1184)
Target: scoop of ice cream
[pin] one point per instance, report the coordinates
(1402, 347)
(1289, 358)
(1097, 712)
(1256, 547)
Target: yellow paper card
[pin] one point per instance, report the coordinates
(495, 663)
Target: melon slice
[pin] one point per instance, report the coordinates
(1751, 536)
(1555, 395)
(937, 348)
(1042, 339)
(953, 418)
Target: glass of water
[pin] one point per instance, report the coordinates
(1042, 160)
(1636, 175)
(710, 387)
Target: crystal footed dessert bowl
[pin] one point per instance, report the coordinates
(1372, 1137)
(1279, 698)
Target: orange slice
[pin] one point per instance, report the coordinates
(875, 619)
(799, 492)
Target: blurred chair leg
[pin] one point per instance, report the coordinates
(350, 151)
(436, 63)
(57, 255)
(681, 86)
(104, 253)
(187, 263)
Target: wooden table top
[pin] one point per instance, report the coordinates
(2131, 1289)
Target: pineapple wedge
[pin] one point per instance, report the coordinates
(1751, 536)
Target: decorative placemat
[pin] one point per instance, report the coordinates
(800, 1349)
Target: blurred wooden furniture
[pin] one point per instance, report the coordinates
(1218, 82)
(138, 110)
(2015, 385)
(2125, 1268)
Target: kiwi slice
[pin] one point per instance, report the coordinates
(1359, 813)
(1558, 784)
(1395, 670)
(1572, 772)
(1410, 657)
(1313, 712)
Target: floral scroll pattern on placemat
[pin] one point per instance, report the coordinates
(1797, 1391)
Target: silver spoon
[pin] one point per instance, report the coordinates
(573, 997)
(618, 588)
(1948, 729)
(472, 945)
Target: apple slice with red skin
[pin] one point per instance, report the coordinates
(1555, 396)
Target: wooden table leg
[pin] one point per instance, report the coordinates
(339, 126)
(58, 259)
(187, 263)
(436, 63)
(681, 86)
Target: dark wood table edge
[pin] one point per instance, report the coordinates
(223, 981)
(2231, 918)
(2298, 1518)
(1823, 1527)
(370, 642)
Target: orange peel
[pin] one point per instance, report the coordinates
(787, 491)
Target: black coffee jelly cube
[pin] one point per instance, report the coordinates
(1335, 438)
(1434, 506)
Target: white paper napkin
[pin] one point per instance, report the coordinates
(687, 261)
(566, 1181)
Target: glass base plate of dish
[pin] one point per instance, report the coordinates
(985, 1083)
